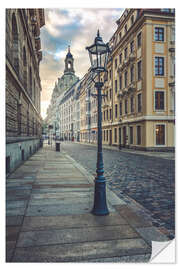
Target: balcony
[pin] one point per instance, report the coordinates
(125, 63)
(125, 91)
(132, 87)
(120, 93)
(172, 84)
(132, 57)
(172, 50)
(105, 106)
(120, 67)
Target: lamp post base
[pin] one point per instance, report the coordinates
(100, 206)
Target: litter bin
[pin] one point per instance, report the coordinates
(57, 146)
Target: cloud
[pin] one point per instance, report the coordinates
(74, 27)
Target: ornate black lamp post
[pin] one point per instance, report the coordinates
(98, 53)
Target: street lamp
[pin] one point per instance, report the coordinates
(98, 53)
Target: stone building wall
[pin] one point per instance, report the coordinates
(23, 85)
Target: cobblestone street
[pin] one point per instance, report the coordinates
(146, 180)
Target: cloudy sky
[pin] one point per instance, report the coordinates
(74, 27)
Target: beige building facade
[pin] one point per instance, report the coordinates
(139, 107)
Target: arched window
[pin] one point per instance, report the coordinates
(24, 68)
(15, 49)
(30, 82)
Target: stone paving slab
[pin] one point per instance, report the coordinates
(132, 218)
(10, 247)
(75, 235)
(14, 220)
(56, 182)
(60, 195)
(15, 211)
(19, 184)
(15, 204)
(17, 194)
(12, 233)
(81, 251)
(151, 234)
(71, 221)
(61, 201)
(59, 176)
(62, 190)
(23, 175)
(16, 188)
(67, 185)
(56, 210)
(123, 259)
(113, 198)
(60, 167)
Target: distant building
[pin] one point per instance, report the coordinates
(64, 84)
(23, 85)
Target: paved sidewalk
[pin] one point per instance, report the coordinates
(49, 200)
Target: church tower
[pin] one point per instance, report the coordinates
(69, 61)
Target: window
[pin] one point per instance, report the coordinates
(131, 135)
(132, 73)
(159, 34)
(125, 78)
(125, 28)
(107, 95)
(125, 53)
(110, 93)
(25, 68)
(138, 135)
(139, 40)
(173, 34)
(159, 66)
(120, 108)
(110, 74)
(139, 66)
(138, 12)
(104, 115)
(120, 82)
(116, 86)
(104, 135)
(120, 58)
(132, 20)
(132, 104)
(116, 63)
(166, 10)
(173, 68)
(139, 102)
(126, 106)
(132, 46)
(30, 82)
(120, 35)
(15, 45)
(107, 135)
(160, 134)
(107, 114)
(159, 100)
(115, 135)
(110, 114)
(115, 110)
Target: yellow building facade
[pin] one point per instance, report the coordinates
(139, 107)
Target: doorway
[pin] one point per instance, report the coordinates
(110, 137)
(124, 136)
